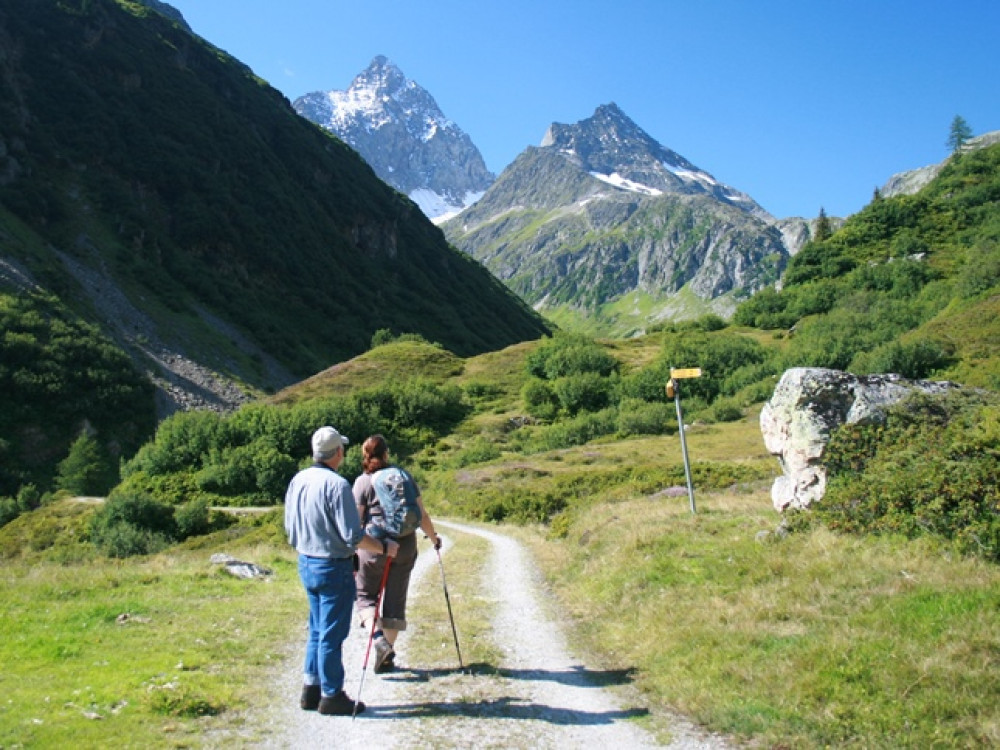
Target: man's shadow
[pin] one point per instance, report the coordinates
(511, 707)
(575, 676)
(502, 708)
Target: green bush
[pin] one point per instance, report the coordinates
(539, 399)
(723, 410)
(247, 457)
(981, 271)
(638, 417)
(587, 391)
(569, 354)
(916, 358)
(479, 450)
(132, 524)
(931, 470)
(567, 433)
(8, 510)
(196, 518)
(125, 540)
(87, 470)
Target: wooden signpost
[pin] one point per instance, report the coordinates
(674, 392)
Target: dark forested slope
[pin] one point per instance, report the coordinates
(160, 201)
(149, 155)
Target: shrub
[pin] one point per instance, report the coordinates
(723, 410)
(981, 271)
(87, 470)
(478, 451)
(918, 358)
(569, 432)
(539, 399)
(132, 524)
(637, 417)
(194, 518)
(569, 354)
(932, 470)
(586, 391)
(8, 510)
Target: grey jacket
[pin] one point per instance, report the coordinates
(321, 519)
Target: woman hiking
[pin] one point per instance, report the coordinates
(373, 492)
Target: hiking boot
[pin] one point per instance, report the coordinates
(338, 705)
(383, 652)
(387, 665)
(310, 697)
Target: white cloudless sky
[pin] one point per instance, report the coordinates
(802, 104)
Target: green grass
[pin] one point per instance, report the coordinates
(810, 640)
(394, 361)
(807, 640)
(145, 653)
(432, 643)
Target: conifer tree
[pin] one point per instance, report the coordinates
(823, 228)
(87, 470)
(959, 133)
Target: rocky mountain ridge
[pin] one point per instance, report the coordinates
(601, 222)
(398, 128)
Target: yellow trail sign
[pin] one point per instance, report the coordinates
(688, 372)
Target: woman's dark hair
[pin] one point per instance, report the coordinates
(374, 454)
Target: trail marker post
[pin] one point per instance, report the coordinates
(674, 392)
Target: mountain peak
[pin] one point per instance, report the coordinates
(615, 150)
(398, 128)
(381, 74)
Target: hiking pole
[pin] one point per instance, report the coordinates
(371, 635)
(450, 616)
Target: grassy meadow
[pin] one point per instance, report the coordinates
(778, 639)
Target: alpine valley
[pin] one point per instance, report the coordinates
(600, 227)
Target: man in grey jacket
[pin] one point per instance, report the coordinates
(322, 523)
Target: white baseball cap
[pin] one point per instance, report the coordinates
(325, 442)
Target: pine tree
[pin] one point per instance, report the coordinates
(87, 470)
(959, 133)
(823, 228)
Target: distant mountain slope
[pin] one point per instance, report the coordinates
(158, 187)
(603, 225)
(398, 128)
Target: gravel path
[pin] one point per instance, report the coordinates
(539, 698)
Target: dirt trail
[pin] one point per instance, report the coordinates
(539, 698)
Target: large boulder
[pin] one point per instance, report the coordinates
(808, 404)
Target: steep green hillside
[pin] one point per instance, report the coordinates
(910, 284)
(167, 168)
(158, 197)
(59, 378)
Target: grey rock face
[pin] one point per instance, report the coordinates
(398, 128)
(908, 183)
(796, 232)
(601, 210)
(808, 404)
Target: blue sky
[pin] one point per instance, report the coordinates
(802, 104)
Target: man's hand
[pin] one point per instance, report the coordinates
(391, 548)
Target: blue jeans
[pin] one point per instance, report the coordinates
(330, 588)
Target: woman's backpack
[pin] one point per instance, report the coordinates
(397, 495)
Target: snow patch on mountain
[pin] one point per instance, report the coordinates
(439, 207)
(626, 184)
